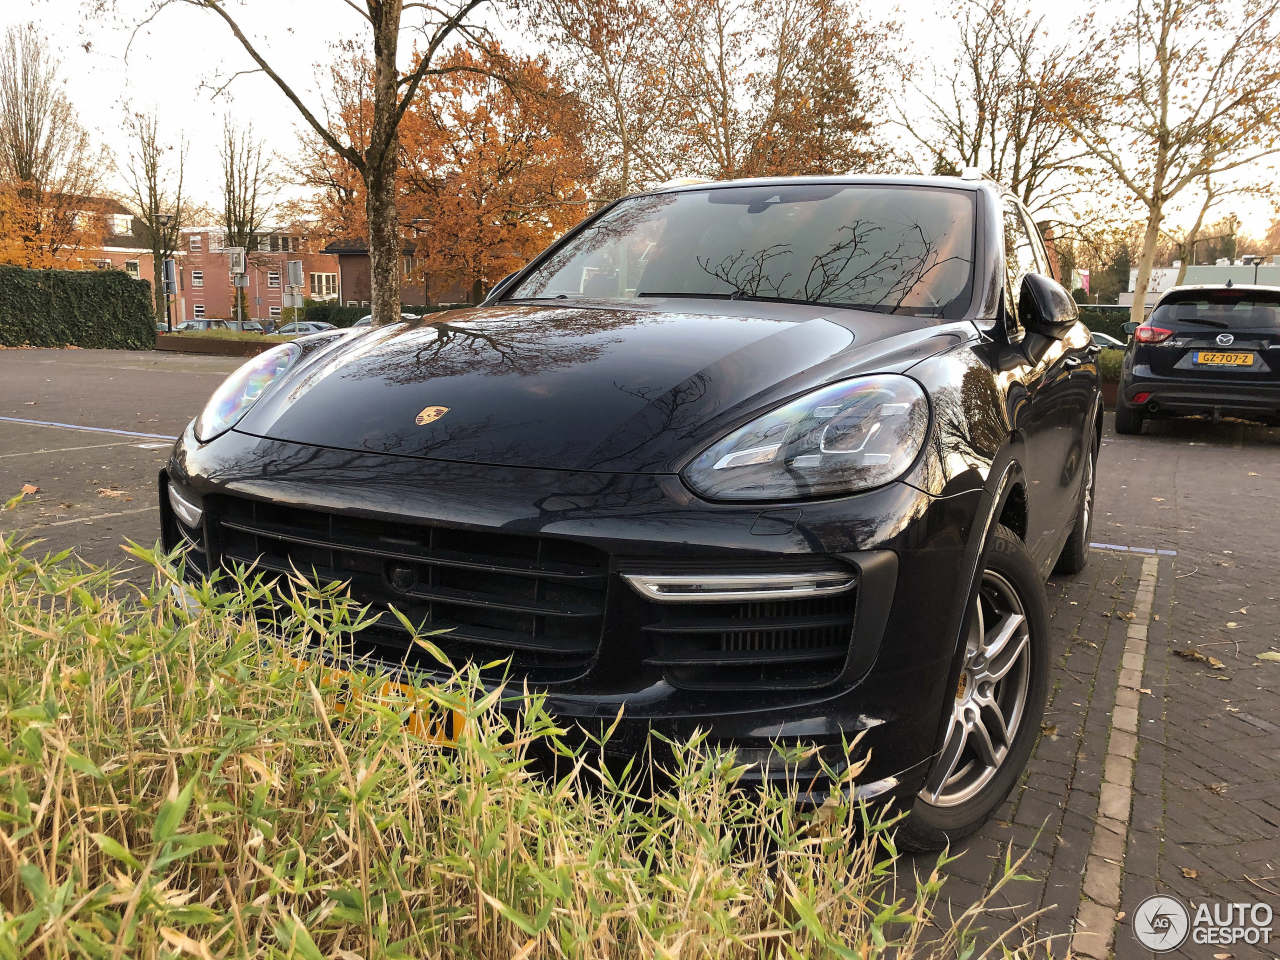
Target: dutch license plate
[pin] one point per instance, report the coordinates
(1217, 359)
(428, 720)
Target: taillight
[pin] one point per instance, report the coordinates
(1149, 334)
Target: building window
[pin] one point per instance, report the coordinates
(197, 311)
(324, 286)
(102, 264)
(131, 267)
(273, 278)
(274, 312)
(197, 278)
(264, 243)
(121, 223)
(195, 242)
(352, 303)
(408, 267)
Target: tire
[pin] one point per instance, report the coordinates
(1075, 552)
(962, 789)
(1128, 420)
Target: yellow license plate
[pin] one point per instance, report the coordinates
(428, 720)
(1225, 359)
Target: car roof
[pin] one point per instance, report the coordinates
(1190, 290)
(878, 179)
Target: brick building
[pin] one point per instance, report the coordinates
(416, 288)
(204, 279)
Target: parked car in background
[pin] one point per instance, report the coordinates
(367, 319)
(300, 328)
(776, 460)
(1210, 350)
(1105, 340)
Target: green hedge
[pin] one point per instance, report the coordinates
(82, 308)
(1102, 318)
(334, 313)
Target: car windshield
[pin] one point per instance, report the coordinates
(1251, 309)
(894, 249)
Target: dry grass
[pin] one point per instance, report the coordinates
(170, 786)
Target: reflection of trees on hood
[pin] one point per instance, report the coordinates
(678, 412)
(521, 341)
(852, 270)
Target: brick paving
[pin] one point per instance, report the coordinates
(1205, 819)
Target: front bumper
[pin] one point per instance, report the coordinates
(908, 551)
(1184, 396)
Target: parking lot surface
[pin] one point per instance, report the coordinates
(1156, 769)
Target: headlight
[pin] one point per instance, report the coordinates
(241, 390)
(849, 436)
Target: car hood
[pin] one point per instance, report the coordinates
(634, 390)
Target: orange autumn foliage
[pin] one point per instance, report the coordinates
(491, 168)
(47, 232)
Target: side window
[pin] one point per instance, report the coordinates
(1019, 256)
(1038, 248)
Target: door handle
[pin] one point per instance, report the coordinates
(1071, 362)
(1093, 349)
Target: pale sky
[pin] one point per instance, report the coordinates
(176, 62)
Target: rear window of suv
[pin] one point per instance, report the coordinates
(1248, 309)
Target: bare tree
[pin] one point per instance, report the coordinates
(154, 193)
(619, 57)
(985, 110)
(1199, 97)
(437, 27)
(45, 154)
(247, 197)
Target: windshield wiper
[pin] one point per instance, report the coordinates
(1205, 320)
(735, 295)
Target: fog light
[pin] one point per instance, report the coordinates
(1141, 397)
(189, 512)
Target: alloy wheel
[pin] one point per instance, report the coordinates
(990, 698)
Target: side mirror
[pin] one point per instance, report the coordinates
(1045, 307)
(1129, 326)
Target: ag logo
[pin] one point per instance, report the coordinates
(1161, 923)
(1225, 339)
(430, 415)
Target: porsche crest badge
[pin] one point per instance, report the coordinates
(430, 415)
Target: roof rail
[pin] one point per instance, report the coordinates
(683, 182)
(977, 173)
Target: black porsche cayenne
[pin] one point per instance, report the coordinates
(782, 460)
(1208, 350)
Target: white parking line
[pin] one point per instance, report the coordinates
(96, 516)
(92, 446)
(78, 426)
(1095, 923)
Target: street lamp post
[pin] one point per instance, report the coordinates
(165, 221)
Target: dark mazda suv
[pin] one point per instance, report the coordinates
(779, 460)
(1204, 350)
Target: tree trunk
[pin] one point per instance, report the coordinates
(1146, 262)
(381, 161)
(384, 243)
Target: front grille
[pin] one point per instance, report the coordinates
(538, 600)
(775, 644)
